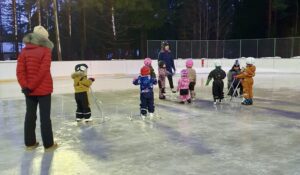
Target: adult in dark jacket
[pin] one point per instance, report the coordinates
(166, 56)
(34, 77)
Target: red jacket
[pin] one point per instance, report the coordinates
(33, 69)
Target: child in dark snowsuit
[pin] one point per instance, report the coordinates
(218, 85)
(234, 83)
(147, 96)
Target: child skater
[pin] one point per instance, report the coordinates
(82, 85)
(146, 83)
(218, 85)
(163, 73)
(192, 76)
(247, 81)
(183, 87)
(233, 83)
(148, 63)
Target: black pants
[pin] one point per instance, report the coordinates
(83, 106)
(192, 86)
(44, 103)
(147, 103)
(170, 79)
(217, 89)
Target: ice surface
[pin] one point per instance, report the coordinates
(199, 138)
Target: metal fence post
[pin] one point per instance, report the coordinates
(256, 48)
(191, 49)
(176, 50)
(274, 47)
(292, 48)
(147, 48)
(207, 49)
(223, 48)
(240, 48)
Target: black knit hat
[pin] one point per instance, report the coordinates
(161, 64)
(80, 67)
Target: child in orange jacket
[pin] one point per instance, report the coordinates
(247, 81)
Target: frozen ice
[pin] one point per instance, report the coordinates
(200, 138)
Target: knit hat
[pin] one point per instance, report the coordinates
(184, 73)
(40, 30)
(145, 71)
(164, 44)
(236, 63)
(147, 61)
(189, 63)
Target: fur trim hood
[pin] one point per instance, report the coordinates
(36, 39)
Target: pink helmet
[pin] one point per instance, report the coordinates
(189, 63)
(184, 73)
(147, 61)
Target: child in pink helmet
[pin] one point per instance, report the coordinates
(183, 87)
(148, 63)
(192, 76)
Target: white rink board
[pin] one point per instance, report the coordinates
(127, 67)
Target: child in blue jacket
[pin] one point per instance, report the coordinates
(147, 96)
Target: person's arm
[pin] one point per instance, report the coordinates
(210, 76)
(136, 81)
(44, 68)
(21, 71)
(86, 82)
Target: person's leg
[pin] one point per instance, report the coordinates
(79, 110)
(30, 121)
(86, 106)
(143, 105)
(221, 86)
(215, 90)
(246, 90)
(150, 103)
(192, 89)
(170, 79)
(46, 125)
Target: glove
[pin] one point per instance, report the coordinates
(134, 79)
(92, 79)
(207, 82)
(26, 91)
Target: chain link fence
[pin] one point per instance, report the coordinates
(258, 48)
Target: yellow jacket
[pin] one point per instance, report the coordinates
(81, 83)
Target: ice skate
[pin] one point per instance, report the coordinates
(88, 120)
(78, 119)
(189, 100)
(29, 148)
(173, 90)
(52, 148)
(151, 116)
(143, 117)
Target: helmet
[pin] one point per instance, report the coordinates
(184, 73)
(145, 70)
(189, 63)
(147, 61)
(250, 60)
(217, 63)
(81, 67)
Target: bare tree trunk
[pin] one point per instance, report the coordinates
(57, 31)
(38, 5)
(15, 27)
(270, 19)
(218, 20)
(297, 18)
(83, 29)
(1, 34)
(200, 18)
(69, 18)
(207, 22)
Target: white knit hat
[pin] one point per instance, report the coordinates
(41, 31)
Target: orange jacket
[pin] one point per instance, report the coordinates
(249, 72)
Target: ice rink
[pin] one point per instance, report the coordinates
(197, 138)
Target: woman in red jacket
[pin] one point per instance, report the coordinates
(34, 77)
